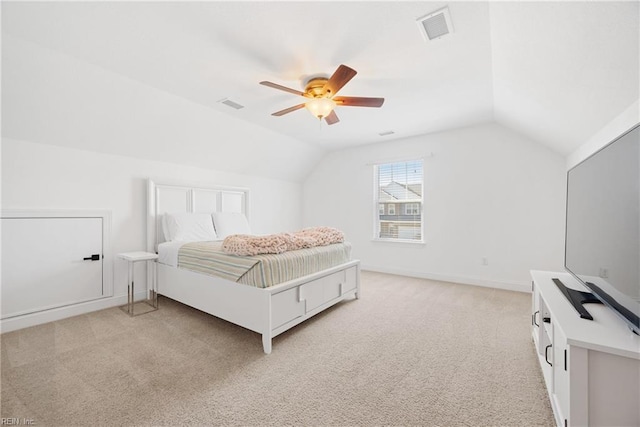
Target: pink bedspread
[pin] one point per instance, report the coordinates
(249, 245)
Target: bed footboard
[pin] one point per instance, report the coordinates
(267, 311)
(296, 304)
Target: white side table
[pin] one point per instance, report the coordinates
(152, 300)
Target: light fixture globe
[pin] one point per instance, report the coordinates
(321, 107)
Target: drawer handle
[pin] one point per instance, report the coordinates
(533, 318)
(94, 257)
(546, 358)
(302, 300)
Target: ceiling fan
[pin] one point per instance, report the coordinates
(321, 93)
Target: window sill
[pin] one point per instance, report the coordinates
(405, 241)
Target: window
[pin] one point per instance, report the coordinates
(411, 209)
(399, 186)
(381, 209)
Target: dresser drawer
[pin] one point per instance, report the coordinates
(322, 290)
(285, 306)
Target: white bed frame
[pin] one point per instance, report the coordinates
(267, 311)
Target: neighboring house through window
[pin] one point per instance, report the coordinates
(399, 187)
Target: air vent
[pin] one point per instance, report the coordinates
(385, 133)
(230, 103)
(436, 24)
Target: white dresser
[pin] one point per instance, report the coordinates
(591, 367)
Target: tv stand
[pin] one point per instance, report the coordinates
(577, 298)
(590, 367)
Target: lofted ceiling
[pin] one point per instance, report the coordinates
(556, 72)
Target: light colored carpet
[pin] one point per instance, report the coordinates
(409, 352)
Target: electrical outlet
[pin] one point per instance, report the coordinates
(604, 272)
(485, 261)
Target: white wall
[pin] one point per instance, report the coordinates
(52, 98)
(39, 176)
(489, 192)
(616, 127)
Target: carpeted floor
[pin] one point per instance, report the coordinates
(409, 352)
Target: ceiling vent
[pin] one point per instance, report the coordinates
(436, 24)
(230, 103)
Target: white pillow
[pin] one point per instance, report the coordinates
(228, 223)
(188, 227)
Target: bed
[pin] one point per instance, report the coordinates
(268, 309)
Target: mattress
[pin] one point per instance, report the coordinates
(260, 271)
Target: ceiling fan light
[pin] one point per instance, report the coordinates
(320, 107)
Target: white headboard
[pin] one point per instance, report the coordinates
(169, 198)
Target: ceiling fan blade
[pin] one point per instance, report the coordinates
(339, 78)
(332, 118)
(288, 110)
(280, 87)
(358, 101)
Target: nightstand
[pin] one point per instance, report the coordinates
(134, 308)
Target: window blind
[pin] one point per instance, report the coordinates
(398, 200)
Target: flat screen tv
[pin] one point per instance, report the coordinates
(602, 242)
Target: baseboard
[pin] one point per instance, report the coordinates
(46, 316)
(518, 287)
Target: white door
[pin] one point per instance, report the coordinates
(44, 266)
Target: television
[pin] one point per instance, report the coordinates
(602, 241)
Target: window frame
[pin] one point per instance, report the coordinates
(377, 222)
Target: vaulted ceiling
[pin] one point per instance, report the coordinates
(556, 72)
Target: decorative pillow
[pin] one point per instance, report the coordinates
(188, 227)
(165, 228)
(228, 223)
